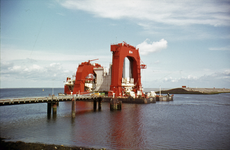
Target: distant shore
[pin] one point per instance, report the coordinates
(8, 145)
(195, 91)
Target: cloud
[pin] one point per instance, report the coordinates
(40, 68)
(170, 79)
(33, 71)
(220, 48)
(146, 48)
(187, 78)
(61, 14)
(222, 75)
(157, 62)
(43, 55)
(33, 75)
(186, 12)
(206, 77)
(226, 73)
(215, 79)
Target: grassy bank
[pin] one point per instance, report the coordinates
(194, 91)
(36, 146)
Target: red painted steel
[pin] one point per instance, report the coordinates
(84, 69)
(143, 66)
(120, 52)
(67, 89)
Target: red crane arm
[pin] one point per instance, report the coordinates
(93, 60)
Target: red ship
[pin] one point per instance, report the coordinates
(94, 78)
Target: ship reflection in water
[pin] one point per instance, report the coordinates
(110, 129)
(188, 122)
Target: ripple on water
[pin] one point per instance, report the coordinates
(191, 122)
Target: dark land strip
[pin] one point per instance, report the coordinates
(8, 145)
(195, 91)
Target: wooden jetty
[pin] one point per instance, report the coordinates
(27, 100)
(53, 101)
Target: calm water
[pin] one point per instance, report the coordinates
(28, 92)
(189, 122)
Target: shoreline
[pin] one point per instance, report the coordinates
(195, 91)
(19, 145)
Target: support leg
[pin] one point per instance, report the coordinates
(48, 110)
(54, 110)
(94, 105)
(115, 104)
(99, 104)
(119, 105)
(73, 108)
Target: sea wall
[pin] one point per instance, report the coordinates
(195, 91)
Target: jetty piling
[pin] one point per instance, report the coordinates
(99, 103)
(52, 107)
(115, 104)
(54, 110)
(48, 110)
(73, 108)
(94, 105)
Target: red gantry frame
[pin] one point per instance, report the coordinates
(120, 52)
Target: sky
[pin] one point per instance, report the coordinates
(182, 42)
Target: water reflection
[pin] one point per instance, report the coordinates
(119, 129)
(52, 109)
(128, 128)
(189, 122)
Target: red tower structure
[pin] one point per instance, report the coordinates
(84, 69)
(120, 52)
(82, 75)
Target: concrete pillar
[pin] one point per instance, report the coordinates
(73, 108)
